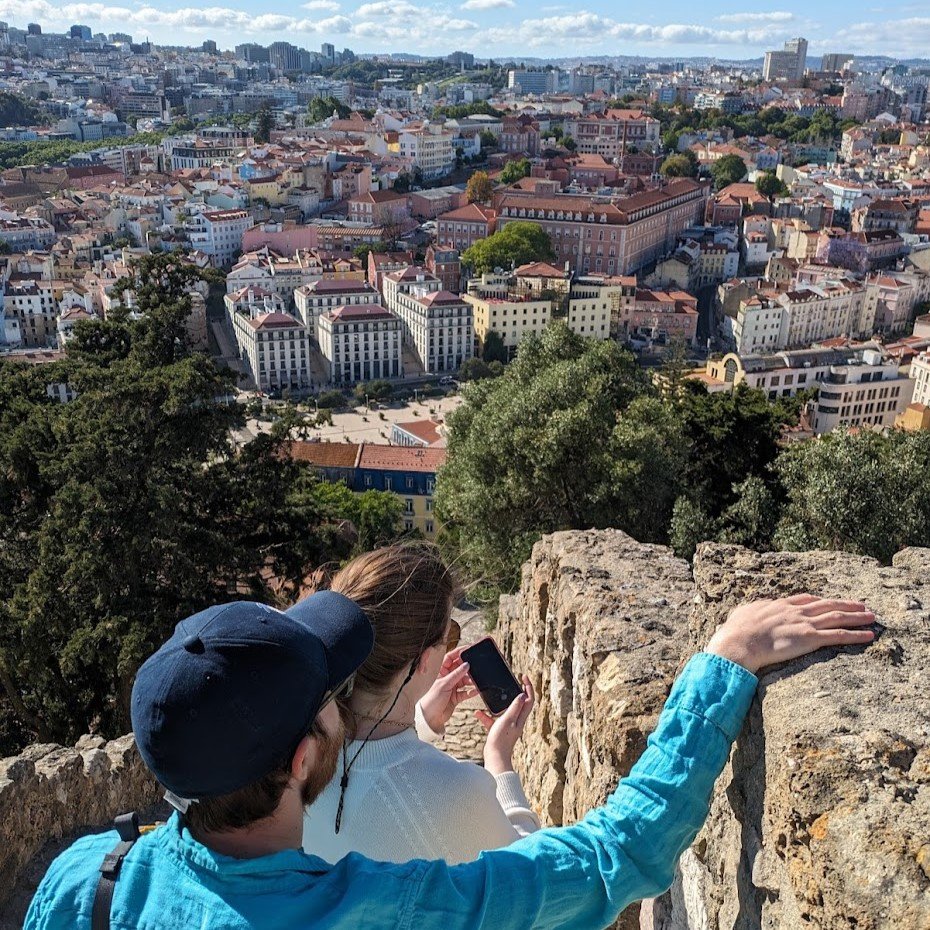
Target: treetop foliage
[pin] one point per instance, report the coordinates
(517, 243)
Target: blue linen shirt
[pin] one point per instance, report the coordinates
(580, 876)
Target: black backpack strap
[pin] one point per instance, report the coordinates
(127, 825)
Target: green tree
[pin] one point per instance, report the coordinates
(728, 170)
(769, 185)
(488, 139)
(863, 493)
(479, 188)
(321, 108)
(569, 143)
(536, 450)
(475, 369)
(493, 350)
(514, 170)
(265, 125)
(517, 243)
(678, 166)
(128, 509)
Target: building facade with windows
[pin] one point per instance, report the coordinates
(613, 132)
(610, 237)
(317, 298)
(276, 348)
(218, 234)
(361, 342)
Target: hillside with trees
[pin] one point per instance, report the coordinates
(573, 435)
(128, 509)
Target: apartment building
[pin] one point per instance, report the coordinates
(22, 233)
(275, 346)
(218, 234)
(920, 375)
(324, 295)
(274, 271)
(512, 315)
(429, 147)
(598, 305)
(787, 64)
(662, 316)
(610, 237)
(611, 133)
(361, 342)
(800, 315)
(892, 299)
(33, 305)
(869, 390)
(465, 226)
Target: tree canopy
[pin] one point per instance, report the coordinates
(514, 170)
(128, 508)
(770, 185)
(728, 170)
(479, 188)
(517, 243)
(679, 166)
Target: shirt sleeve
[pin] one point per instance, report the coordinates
(513, 800)
(424, 731)
(583, 876)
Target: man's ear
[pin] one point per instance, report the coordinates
(304, 758)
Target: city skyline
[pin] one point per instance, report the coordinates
(500, 27)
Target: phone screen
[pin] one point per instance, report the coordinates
(491, 675)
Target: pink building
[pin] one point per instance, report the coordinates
(285, 237)
(465, 226)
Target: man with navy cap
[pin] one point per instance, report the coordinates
(235, 717)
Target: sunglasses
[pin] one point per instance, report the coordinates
(340, 692)
(454, 636)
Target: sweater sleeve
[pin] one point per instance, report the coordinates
(513, 800)
(583, 876)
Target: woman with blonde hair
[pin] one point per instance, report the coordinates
(395, 796)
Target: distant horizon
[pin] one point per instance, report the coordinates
(508, 29)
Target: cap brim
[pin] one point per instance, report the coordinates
(341, 626)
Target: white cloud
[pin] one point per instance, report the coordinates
(776, 16)
(327, 5)
(488, 4)
(387, 8)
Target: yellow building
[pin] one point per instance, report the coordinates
(511, 317)
(271, 190)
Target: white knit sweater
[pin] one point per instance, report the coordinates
(409, 800)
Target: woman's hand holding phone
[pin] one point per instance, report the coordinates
(452, 686)
(505, 731)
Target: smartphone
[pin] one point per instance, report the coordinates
(491, 674)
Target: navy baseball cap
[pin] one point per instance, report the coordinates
(230, 695)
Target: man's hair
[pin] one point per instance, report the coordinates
(244, 806)
(408, 593)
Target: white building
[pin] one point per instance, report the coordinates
(218, 233)
(273, 271)
(920, 375)
(276, 348)
(437, 323)
(68, 320)
(361, 342)
(327, 294)
(429, 146)
(32, 304)
(799, 317)
(868, 391)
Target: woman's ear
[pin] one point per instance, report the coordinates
(422, 666)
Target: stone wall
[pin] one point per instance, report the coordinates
(51, 792)
(822, 817)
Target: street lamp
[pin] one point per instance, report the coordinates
(366, 404)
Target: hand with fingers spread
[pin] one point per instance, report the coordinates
(452, 686)
(765, 632)
(505, 731)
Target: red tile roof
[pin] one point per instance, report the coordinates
(325, 454)
(401, 458)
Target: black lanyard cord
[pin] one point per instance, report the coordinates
(347, 765)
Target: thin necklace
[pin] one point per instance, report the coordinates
(347, 763)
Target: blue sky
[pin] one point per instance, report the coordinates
(504, 27)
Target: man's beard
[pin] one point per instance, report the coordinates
(329, 744)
